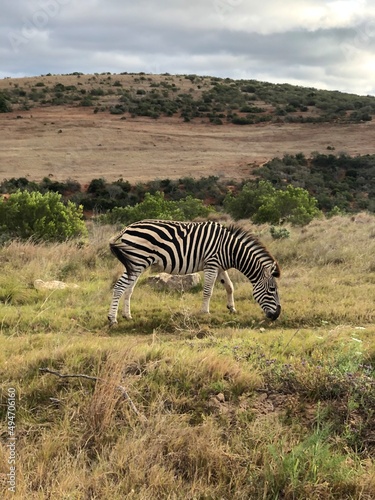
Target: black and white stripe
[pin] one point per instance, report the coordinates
(188, 247)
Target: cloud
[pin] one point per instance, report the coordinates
(316, 43)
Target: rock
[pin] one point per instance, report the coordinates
(220, 397)
(180, 283)
(53, 285)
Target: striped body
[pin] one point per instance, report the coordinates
(188, 247)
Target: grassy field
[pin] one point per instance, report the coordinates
(184, 406)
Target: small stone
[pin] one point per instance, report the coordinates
(53, 285)
(220, 397)
(181, 283)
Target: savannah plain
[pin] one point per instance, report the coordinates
(173, 404)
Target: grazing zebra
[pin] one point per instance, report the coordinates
(188, 247)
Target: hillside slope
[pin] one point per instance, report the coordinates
(142, 127)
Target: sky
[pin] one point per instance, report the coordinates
(313, 43)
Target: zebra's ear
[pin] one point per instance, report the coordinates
(275, 269)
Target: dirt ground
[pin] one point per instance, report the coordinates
(74, 143)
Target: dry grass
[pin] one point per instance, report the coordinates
(236, 407)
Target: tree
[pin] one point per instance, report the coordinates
(41, 217)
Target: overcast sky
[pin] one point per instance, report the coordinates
(314, 43)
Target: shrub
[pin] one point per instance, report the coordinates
(14, 184)
(335, 211)
(97, 92)
(192, 208)
(40, 216)
(70, 186)
(248, 201)
(242, 120)
(279, 233)
(117, 110)
(265, 204)
(98, 187)
(152, 207)
(86, 101)
(5, 107)
(294, 205)
(155, 206)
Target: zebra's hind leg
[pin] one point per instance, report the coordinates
(126, 313)
(122, 285)
(228, 285)
(118, 290)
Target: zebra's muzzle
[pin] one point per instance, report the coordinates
(274, 315)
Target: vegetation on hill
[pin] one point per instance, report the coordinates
(334, 180)
(340, 184)
(217, 100)
(229, 406)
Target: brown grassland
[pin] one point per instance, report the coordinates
(178, 405)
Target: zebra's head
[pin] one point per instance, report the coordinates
(265, 291)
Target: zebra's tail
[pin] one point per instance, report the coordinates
(118, 249)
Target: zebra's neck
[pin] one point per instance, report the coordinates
(248, 255)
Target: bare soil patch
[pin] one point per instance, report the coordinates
(73, 142)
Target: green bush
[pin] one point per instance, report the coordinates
(242, 120)
(248, 201)
(192, 208)
(264, 204)
(279, 233)
(155, 206)
(5, 107)
(41, 217)
(293, 205)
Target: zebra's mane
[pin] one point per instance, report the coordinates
(247, 237)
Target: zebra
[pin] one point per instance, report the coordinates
(188, 247)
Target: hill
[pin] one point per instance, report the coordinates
(142, 127)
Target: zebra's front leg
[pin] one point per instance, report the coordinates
(210, 276)
(228, 285)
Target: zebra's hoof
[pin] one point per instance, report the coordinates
(112, 322)
(232, 309)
